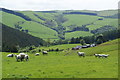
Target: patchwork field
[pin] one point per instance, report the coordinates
(53, 24)
(57, 65)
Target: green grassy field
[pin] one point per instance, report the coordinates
(79, 20)
(77, 34)
(56, 65)
(39, 30)
(10, 19)
(31, 15)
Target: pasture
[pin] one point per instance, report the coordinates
(60, 65)
(77, 34)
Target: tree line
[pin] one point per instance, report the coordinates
(96, 38)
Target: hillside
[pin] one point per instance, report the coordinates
(107, 47)
(59, 65)
(13, 39)
(58, 24)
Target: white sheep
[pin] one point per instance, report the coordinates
(37, 54)
(105, 55)
(22, 56)
(26, 57)
(81, 54)
(18, 57)
(96, 55)
(101, 55)
(45, 52)
(10, 55)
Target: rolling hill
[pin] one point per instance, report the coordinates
(58, 24)
(12, 38)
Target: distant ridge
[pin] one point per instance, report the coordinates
(85, 13)
(16, 13)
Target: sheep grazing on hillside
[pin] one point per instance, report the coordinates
(106, 55)
(18, 57)
(101, 55)
(45, 52)
(37, 54)
(26, 57)
(10, 55)
(96, 55)
(22, 56)
(81, 54)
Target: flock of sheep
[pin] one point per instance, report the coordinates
(96, 55)
(24, 56)
(19, 57)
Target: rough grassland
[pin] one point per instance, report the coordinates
(56, 65)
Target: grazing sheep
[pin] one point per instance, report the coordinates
(101, 55)
(22, 56)
(104, 55)
(37, 54)
(10, 55)
(18, 57)
(45, 52)
(26, 57)
(96, 55)
(81, 54)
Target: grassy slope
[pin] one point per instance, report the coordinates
(10, 19)
(31, 15)
(77, 34)
(79, 20)
(108, 21)
(47, 16)
(70, 66)
(36, 29)
(73, 19)
(39, 30)
(101, 23)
